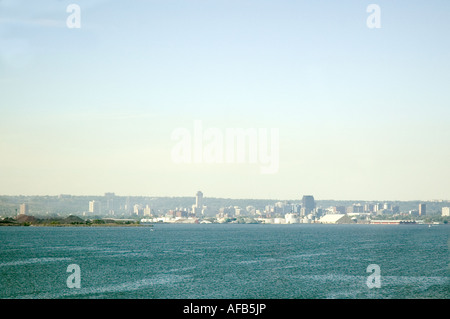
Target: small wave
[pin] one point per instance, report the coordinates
(182, 269)
(261, 260)
(114, 288)
(307, 255)
(420, 281)
(386, 280)
(33, 261)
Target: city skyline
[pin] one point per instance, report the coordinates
(350, 111)
(125, 209)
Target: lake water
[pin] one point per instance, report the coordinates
(226, 261)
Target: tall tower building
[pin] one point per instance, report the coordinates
(110, 205)
(23, 209)
(308, 204)
(422, 209)
(128, 205)
(198, 206)
(199, 199)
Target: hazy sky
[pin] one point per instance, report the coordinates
(362, 113)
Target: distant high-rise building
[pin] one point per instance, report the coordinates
(23, 210)
(369, 208)
(199, 199)
(445, 211)
(138, 210)
(128, 207)
(181, 214)
(295, 208)
(339, 209)
(308, 204)
(110, 205)
(95, 207)
(198, 206)
(422, 209)
(147, 211)
(355, 208)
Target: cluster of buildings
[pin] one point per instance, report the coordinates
(196, 214)
(290, 213)
(283, 212)
(110, 206)
(278, 213)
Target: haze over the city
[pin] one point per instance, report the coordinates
(362, 113)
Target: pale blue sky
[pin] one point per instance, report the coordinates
(362, 113)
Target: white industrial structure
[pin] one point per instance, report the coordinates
(331, 218)
(291, 219)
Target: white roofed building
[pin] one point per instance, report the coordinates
(331, 218)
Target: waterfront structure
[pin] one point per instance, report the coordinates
(279, 220)
(331, 218)
(391, 222)
(291, 218)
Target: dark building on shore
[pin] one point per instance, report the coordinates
(308, 204)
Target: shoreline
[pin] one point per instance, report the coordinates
(152, 225)
(69, 225)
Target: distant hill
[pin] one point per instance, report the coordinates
(26, 219)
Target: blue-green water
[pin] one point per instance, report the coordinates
(225, 261)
